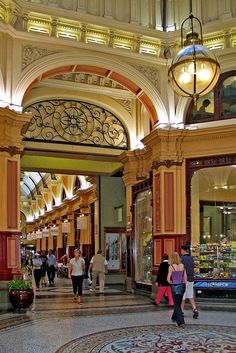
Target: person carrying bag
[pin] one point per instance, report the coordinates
(177, 277)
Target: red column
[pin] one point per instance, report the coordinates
(11, 124)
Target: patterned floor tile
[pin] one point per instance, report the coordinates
(157, 339)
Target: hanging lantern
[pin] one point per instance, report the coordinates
(195, 70)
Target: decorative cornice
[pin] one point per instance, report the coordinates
(168, 163)
(12, 150)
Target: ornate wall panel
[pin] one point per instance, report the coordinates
(157, 203)
(169, 201)
(157, 244)
(12, 186)
(75, 122)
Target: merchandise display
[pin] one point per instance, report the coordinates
(215, 261)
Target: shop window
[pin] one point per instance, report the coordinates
(228, 97)
(218, 223)
(116, 249)
(218, 104)
(213, 222)
(203, 110)
(143, 237)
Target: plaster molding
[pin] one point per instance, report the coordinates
(126, 103)
(150, 72)
(33, 71)
(168, 163)
(12, 150)
(32, 53)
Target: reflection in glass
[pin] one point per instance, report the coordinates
(116, 250)
(123, 251)
(204, 109)
(228, 97)
(143, 237)
(112, 251)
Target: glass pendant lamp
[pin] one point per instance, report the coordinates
(195, 70)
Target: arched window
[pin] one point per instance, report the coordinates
(77, 184)
(219, 104)
(63, 194)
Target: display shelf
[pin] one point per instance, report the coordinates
(215, 261)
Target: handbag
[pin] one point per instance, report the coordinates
(178, 289)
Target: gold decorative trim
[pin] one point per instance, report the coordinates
(166, 163)
(12, 150)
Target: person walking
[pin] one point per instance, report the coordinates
(86, 281)
(164, 287)
(76, 274)
(177, 277)
(98, 265)
(37, 263)
(43, 258)
(51, 267)
(188, 263)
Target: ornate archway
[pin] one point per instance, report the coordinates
(102, 65)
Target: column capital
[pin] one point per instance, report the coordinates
(11, 126)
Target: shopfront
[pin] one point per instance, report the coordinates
(143, 242)
(188, 200)
(213, 224)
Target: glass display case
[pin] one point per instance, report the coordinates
(143, 238)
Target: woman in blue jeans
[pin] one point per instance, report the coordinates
(177, 277)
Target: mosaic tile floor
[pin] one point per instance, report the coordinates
(108, 324)
(157, 339)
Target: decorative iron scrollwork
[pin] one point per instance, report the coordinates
(75, 122)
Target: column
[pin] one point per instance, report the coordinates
(108, 9)
(135, 12)
(71, 235)
(82, 6)
(170, 21)
(225, 9)
(11, 124)
(158, 15)
(59, 240)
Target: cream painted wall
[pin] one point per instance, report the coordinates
(146, 13)
(28, 55)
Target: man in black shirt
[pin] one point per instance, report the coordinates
(188, 263)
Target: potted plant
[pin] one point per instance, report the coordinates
(21, 293)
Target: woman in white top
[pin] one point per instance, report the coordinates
(37, 264)
(75, 273)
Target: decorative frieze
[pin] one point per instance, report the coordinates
(86, 78)
(150, 72)
(31, 54)
(126, 103)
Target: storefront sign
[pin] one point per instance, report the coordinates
(45, 233)
(66, 227)
(82, 222)
(54, 231)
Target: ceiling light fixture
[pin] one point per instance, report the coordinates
(195, 70)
